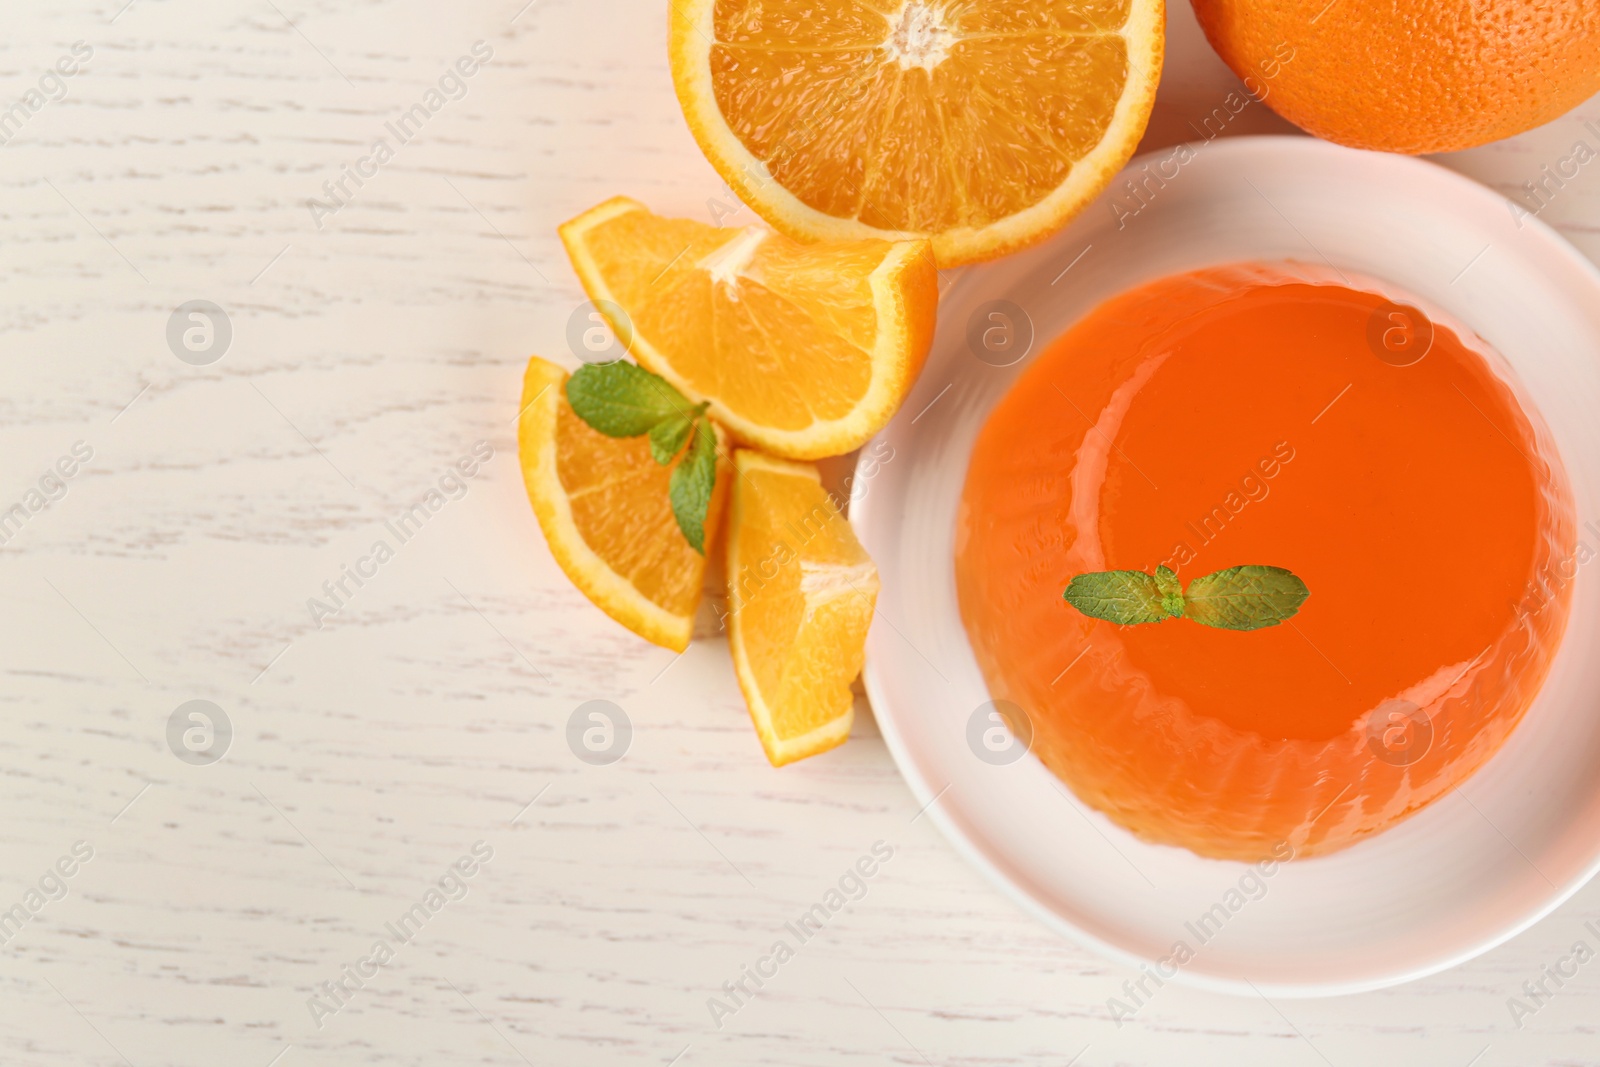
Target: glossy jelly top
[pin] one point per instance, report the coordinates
(1272, 414)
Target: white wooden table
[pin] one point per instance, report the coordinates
(371, 347)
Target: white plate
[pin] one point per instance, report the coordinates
(1462, 876)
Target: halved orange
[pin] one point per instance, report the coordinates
(603, 506)
(801, 593)
(804, 350)
(981, 126)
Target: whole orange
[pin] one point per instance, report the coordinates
(1411, 75)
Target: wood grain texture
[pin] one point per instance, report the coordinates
(370, 753)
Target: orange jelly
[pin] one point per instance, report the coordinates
(1267, 414)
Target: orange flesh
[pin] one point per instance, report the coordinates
(658, 270)
(1010, 97)
(1240, 415)
(620, 502)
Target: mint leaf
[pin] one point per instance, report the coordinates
(1244, 598)
(622, 399)
(1249, 597)
(667, 437)
(689, 488)
(1171, 591)
(1122, 597)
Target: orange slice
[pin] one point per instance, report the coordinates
(603, 506)
(981, 126)
(801, 594)
(804, 350)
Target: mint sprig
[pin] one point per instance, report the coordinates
(625, 400)
(1247, 597)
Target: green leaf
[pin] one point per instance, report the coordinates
(689, 488)
(1245, 598)
(1122, 597)
(1171, 591)
(667, 437)
(622, 399)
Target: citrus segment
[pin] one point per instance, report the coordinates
(982, 127)
(805, 350)
(801, 592)
(603, 505)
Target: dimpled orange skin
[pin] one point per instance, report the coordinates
(1411, 76)
(1419, 508)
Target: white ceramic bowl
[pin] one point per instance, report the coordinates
(1462, 876)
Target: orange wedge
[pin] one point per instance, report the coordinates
(801, 594)
(603, 506)
(980, 126)
(803, 350)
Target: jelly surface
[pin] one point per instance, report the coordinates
(1267, 414)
